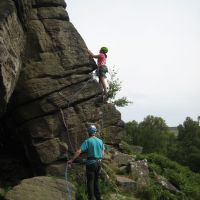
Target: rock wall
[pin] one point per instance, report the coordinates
(12, 41)
(55, 97)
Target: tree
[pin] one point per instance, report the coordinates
(131, 132)
(114, 86)
(188, 144)
(152, 134)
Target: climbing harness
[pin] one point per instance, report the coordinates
(69, 189)
(101, 71)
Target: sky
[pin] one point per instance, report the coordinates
(154, 46)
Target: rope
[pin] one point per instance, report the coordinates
(67, 129)
(68, 105)
(77, 92)
(69, 189)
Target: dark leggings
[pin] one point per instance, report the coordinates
(92, 173)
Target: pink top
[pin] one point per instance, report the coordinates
(101, 59)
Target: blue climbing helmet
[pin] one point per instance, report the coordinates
(92, 129)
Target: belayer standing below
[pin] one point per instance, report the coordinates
(94, 148)
(102, 68)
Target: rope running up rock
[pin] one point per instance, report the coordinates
(68, 105)
(69, 189)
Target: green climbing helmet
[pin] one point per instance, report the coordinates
(104, 49)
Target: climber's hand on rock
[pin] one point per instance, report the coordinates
(69, 163)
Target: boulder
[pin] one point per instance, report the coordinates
(126, 184)
(49, 150)
(165, 183)
(42, 188)
(75, 173)
(139, 171)
(56, 169)
(121, 159)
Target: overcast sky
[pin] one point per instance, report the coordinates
(154, 45)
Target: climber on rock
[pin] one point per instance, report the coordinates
(94, 148)
(102, 69)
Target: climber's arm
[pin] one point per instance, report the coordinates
(91, 54)
(76, 155)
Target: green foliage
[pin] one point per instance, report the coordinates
(122, 102)
(114, 87)
(156, 192)
(148, 133)
(181, 177)
(132, 132)
(81, 192)
(126, 148)
(105, 187)
(108, 185)
(114, 84)
(187, 150)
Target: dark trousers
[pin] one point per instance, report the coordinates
(92, 173)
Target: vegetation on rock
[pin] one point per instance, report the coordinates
(186, 181)
(114, 86)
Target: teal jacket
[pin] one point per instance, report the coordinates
(94, 148)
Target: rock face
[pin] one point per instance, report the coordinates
(12, 41)
(42, 188)
(55, 96)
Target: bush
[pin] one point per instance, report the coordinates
(156, 192)
(113, 89)
(186, 181)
